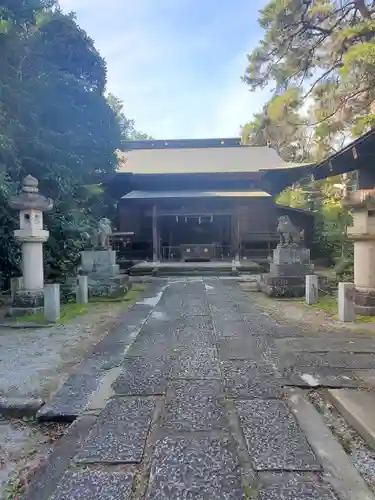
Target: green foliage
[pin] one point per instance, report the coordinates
(294, 197)
(319, 57)
(326, 50)
(127, 125)
(55, 124)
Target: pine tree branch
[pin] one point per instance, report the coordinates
(324, 75)
(343, 102)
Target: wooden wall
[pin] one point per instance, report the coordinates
(257, 219)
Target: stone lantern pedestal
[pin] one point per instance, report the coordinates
(31, 205)
(362, 233)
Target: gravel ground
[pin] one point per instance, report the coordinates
(361, 455)
(35, 362)
(23, 448)
(308, 319)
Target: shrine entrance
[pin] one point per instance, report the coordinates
(195, 237)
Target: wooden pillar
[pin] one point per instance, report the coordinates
(236, 235)
(238, 249)
(155, 236)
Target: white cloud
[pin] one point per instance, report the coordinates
(177, 78)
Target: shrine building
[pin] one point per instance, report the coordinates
(204, 199)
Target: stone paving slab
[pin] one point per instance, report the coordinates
(295, 489)
(367, 376)
(247, 379)
(108, 355)
(199, 468)
(286, 331)
(71, 399)
(199, 322)
(274, 439)
(260, 328)
(99, 363)
(330, 359)
(125, 333)
(192, 339)
(94, 485)
(232, 329)
(141, 377)
(195, 405)
(222, 307)
(327, 344)
(251, 348)
(195, 310)
(120, 433)
(231, 315)
(157, 345)
(196, 364)
(307, 377)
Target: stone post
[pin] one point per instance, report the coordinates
(15, 285)
(31, 235)
(312, 289)
(362, 233)
(82, 291)
(52, 302)
(346, 306)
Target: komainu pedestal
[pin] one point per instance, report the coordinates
(288, 272)
(103, 274)
(289, 266)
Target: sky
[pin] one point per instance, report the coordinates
(177, 64)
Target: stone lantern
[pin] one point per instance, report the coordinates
(31, 205)
(362, 233)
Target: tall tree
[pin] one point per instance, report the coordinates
(56, 122)
(127, 125)
(323, 50)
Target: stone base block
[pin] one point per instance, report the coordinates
(102, 262)
(364, 302)
(291, 255)
(17, 312)
(100, 286)
(285, 286)
(295, 269)
(27, 302)
(107, 286)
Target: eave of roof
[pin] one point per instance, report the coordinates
(353, 156)
(137, 195)
(181, 143)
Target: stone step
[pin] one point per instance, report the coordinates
(194, 269)
(358, 409)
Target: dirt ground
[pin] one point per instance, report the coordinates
(307, 319)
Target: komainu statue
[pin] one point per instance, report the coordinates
(100, 237)
(289, 234)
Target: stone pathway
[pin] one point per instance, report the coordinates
(199, 407)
